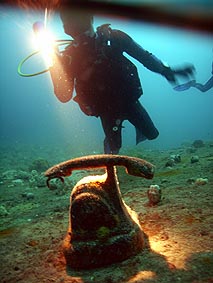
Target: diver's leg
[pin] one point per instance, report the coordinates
(112, 129)
(138, 116)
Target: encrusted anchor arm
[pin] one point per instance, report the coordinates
(49, 178)
(134, 166)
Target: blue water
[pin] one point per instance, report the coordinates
(31, 114)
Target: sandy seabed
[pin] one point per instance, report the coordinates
(179, 229)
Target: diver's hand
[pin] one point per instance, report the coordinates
(64, 59)
(171, 74)
(186, 72)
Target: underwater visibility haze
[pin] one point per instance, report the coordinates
(30, 112)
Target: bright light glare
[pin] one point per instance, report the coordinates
(45, 43)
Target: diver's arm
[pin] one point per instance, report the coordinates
(63, 82)
(150, 61)
(146, 58)
(207, 86)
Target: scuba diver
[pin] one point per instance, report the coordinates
(107, 84)
(202, 87)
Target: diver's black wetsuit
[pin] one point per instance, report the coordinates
(107, 83)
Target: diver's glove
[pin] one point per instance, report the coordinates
(170, 74)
